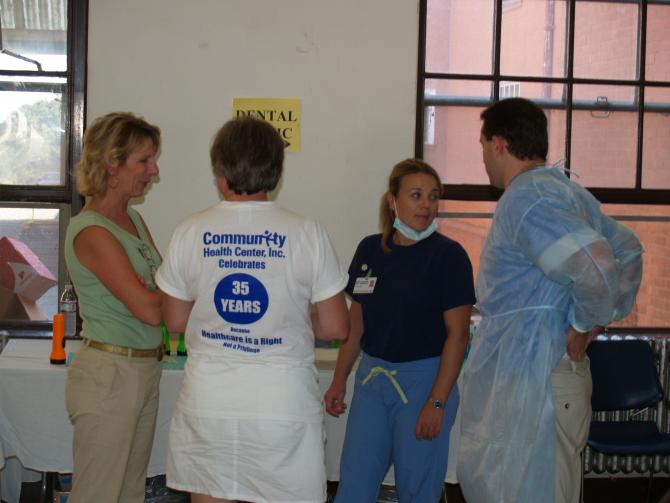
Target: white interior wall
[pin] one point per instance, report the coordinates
(180, 64)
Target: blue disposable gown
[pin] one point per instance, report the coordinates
(551, 260)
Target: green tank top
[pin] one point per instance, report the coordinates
(105, 318)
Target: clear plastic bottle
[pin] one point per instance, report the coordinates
(68, 306)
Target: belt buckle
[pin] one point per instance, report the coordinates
(159, 355)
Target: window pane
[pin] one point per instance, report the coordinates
(459, 36)
(658, 43)
(652, 308)
(604, 140)
(463, 88)
(35, 31)
(455, 152)
(606, 40)
(32, 140)
(599, 96)
(532, 90)
(655, 146)
(38, 230)
(604, 149)
(657, 96)
(656, 151)
(451, 133)
(469, 231)
(533, 38)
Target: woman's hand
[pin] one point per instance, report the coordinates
(346, 357)
(429, 424)
(334, 399)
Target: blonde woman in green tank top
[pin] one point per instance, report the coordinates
(112, 386)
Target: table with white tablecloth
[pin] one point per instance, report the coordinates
(36, 435)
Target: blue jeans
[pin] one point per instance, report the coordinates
(380, 432)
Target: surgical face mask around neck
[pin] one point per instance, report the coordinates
(410, 233)
(560, 164)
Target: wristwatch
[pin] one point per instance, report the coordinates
(438, 404)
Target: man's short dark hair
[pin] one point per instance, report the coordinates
(522, 123)
(249, 154)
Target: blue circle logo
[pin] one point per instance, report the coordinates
(241, 298)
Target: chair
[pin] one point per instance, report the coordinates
(625, 378)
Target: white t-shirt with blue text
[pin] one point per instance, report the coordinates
(252, 269)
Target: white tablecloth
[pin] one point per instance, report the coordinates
(35, 430)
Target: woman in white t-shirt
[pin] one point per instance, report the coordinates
(239, 279)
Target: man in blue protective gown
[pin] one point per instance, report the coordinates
(554, 270)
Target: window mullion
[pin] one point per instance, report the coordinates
(642, 58)
(421, 80)
(497, 45)
(569, 72)
(77, 36)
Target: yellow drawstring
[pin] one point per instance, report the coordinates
(381, 370)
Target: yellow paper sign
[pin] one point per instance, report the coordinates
(282, 113)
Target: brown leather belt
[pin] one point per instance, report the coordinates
(124, 351)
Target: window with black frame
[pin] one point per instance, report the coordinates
(600, 70)
(42, 76)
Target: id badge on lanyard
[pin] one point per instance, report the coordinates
(365, 284)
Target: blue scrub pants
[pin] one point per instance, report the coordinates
(380, 432)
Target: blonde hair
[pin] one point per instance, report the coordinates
(399, 171)
(111, 138)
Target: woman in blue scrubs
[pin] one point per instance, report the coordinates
(412, 294)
